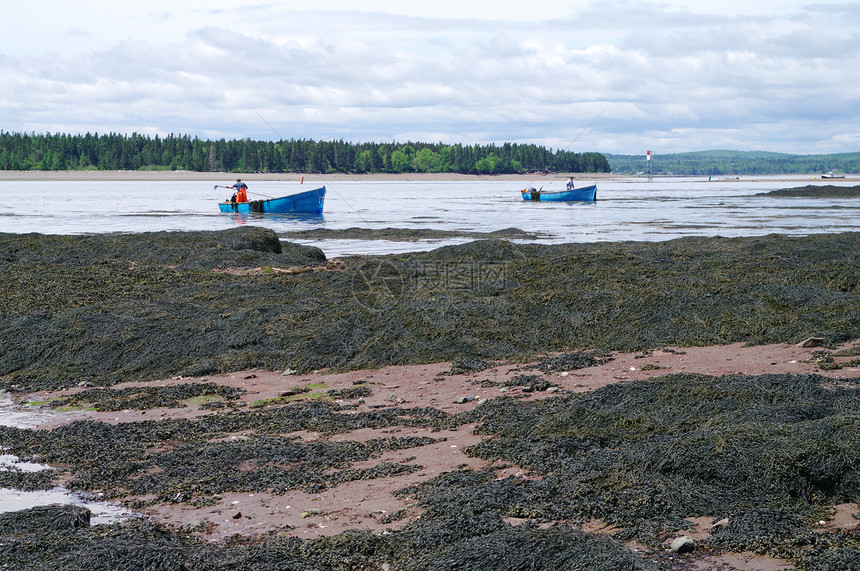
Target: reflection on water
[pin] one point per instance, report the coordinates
(258, 219)
(103, 512)
(15, 500)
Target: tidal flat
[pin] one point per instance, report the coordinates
(554, 413)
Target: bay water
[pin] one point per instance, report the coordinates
(626, 209)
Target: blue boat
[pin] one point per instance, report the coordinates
(584, 194)
(308, 202)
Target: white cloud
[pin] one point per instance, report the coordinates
(669, 76)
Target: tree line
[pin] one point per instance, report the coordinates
(707, 163)
(21, 151)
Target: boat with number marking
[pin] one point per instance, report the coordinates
(307, 202)
(584, 194)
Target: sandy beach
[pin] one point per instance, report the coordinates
(370, 504)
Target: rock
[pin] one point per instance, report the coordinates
(683, 544)
(464, 400)
(552, 389)
(811, 342)
(197, 525)
(720, 524)
(42, 518)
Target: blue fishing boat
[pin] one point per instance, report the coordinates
(584, 194)
(308, 202)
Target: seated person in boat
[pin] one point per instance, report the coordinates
(570, 183)
(241, 194)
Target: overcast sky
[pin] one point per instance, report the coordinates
(608, 76)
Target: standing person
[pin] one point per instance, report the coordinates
(570, 183)
(241, 191)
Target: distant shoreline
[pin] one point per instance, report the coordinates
(315, 178)
(291, 177)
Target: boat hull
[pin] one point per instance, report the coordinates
(584, 194)
(308, 202)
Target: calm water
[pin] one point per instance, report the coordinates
(626, 210)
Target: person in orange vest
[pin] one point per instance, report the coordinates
(241, 191)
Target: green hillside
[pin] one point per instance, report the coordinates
(724, 162)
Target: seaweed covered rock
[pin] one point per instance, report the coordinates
(816, 191)
(44, 518)
(138, 544)
(572, 361)
(761, 530)
(464, 366)
(533, 549)
(529, 383)
(237, 247)
(479, 251)
(404, 234)
(644, 456)
(250, 238)
(27, 481)
(124, 307)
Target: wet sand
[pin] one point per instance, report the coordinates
(368, 504)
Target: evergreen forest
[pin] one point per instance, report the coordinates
(52, 152)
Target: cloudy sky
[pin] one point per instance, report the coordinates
(613, 76)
